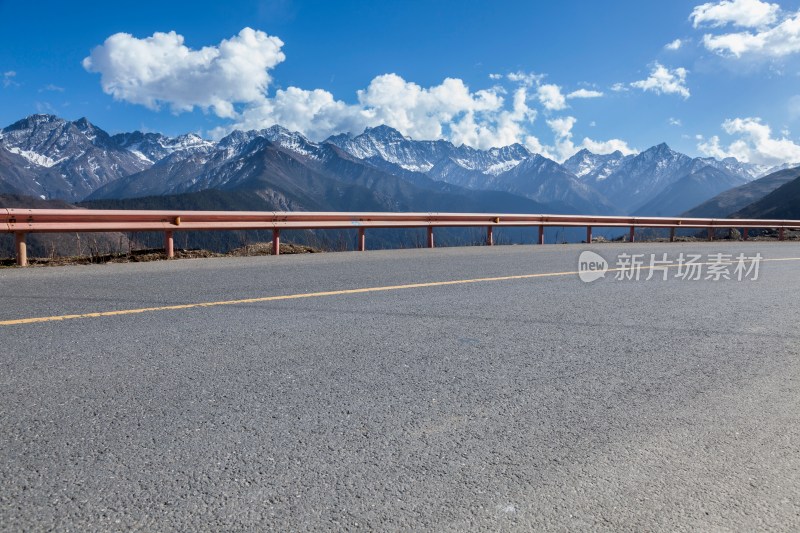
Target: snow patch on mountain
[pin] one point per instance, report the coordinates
(33, 157)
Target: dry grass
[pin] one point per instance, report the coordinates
(143, 256)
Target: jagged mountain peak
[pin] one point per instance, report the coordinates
(71, 158)
(593, 167)
(82, 123)
(86, 156)
(661, 150)
(152, 147)
(339, 138)
(36, 120)
(385, 133)
(515, 149)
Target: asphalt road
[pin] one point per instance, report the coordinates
(538, 402)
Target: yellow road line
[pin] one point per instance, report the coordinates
(179, 307)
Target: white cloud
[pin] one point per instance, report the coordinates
(777, 41)
(744, 13)
(565, 147)
(674, 121)
(674, 45)
(8, 78)
(421, 113)
(161, 69)
(619, 88)
(664, 80)
(232, 80)
(52, 88)
(551, 98)
(768, 32)
(562, 127)
(754, 143)
(526, 78)
(584, 93)
(608, 147)
(482, 119)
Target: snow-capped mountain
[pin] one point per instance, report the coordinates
(544, 180)
(389, 145)
(71, 158)
(153, 147)
(592, 168)
(690, 190)
(47, 156)
(511, 168)
(734, 167)
(638, 179)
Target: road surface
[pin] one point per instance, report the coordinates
(276, 393)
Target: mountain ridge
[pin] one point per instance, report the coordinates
(50, 157)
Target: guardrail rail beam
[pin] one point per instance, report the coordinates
(21, 222)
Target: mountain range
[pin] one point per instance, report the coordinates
(51, 158)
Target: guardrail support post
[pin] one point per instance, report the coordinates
(632, 234)
(671, 234)
(541, 234)
(22, 249)
(588, 235)
(169, 245)
(430, 236)
(781, 234)
(489, 236)
(745, 233)
(711, 234)
(362, 240)
(276, 242)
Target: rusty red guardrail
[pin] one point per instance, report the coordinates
(20, 222)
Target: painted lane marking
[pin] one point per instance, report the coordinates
(180, 307)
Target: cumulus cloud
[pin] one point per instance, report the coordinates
(744, 13)
(674, 121)
(565, 147)
(766, 32)
(233, 80)
(584, 93)
(608, 147)
(674, 45)
(450, 110)
(551, 97)
(754, 143)
(162, 69)
(619, 87)
(776, 41)
(664, 80)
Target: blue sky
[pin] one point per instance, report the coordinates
(322, 67)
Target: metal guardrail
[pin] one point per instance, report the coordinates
(23, 221)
